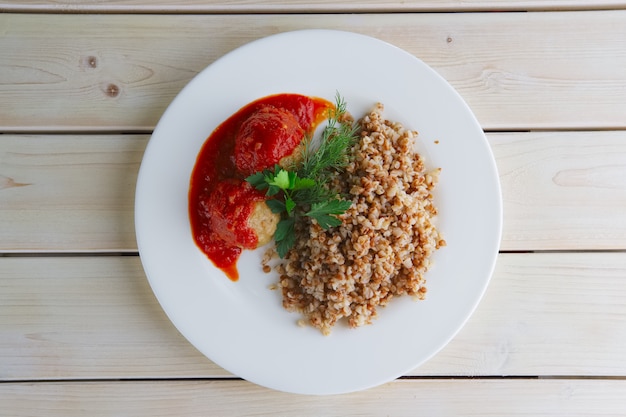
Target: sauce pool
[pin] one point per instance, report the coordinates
(256, 137)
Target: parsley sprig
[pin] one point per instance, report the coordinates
(305, 191)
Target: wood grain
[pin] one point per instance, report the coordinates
(68, 193)
(562, 190)
(290, 6)
(75, 193)
(517, 71)
(96, 318)
(519, 397)
(82, 85)
(87, 317)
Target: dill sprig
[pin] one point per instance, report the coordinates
(331, 151)
(322, 158)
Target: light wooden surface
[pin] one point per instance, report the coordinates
(74, 193)
(405, 398)
(81, 333)
(286, 6)
(517, 71)
(75, 309)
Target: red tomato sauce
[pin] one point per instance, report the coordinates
(256, 137)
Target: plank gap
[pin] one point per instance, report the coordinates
(66, 254)
(97, 380)
(566, 251)
(234, 378)
(89, 132)
(225, 8)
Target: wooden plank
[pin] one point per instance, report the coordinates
(400, 398)
(69, 193)
(119, 72)
(86, 317)
(276, 6)
(96, 318)
(75, 193)
(544, 314)
(562, 190)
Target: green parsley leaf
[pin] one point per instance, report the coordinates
(324, 212)
(280, 180)
(292, 179)
(285, 236)
(283, 246)
(284, 228)
(335, 206)
(326, 221)
(276, 206)
(272, 190)
(289, 205)
(257, 180)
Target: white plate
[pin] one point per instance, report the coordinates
(241, 326)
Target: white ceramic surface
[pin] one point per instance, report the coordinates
(242, 326)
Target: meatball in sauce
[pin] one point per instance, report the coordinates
(227, 215)
(265, 138)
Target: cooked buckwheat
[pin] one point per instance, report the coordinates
(383, 247)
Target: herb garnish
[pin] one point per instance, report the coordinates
(304, 191)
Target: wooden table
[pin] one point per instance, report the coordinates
(82, 84)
